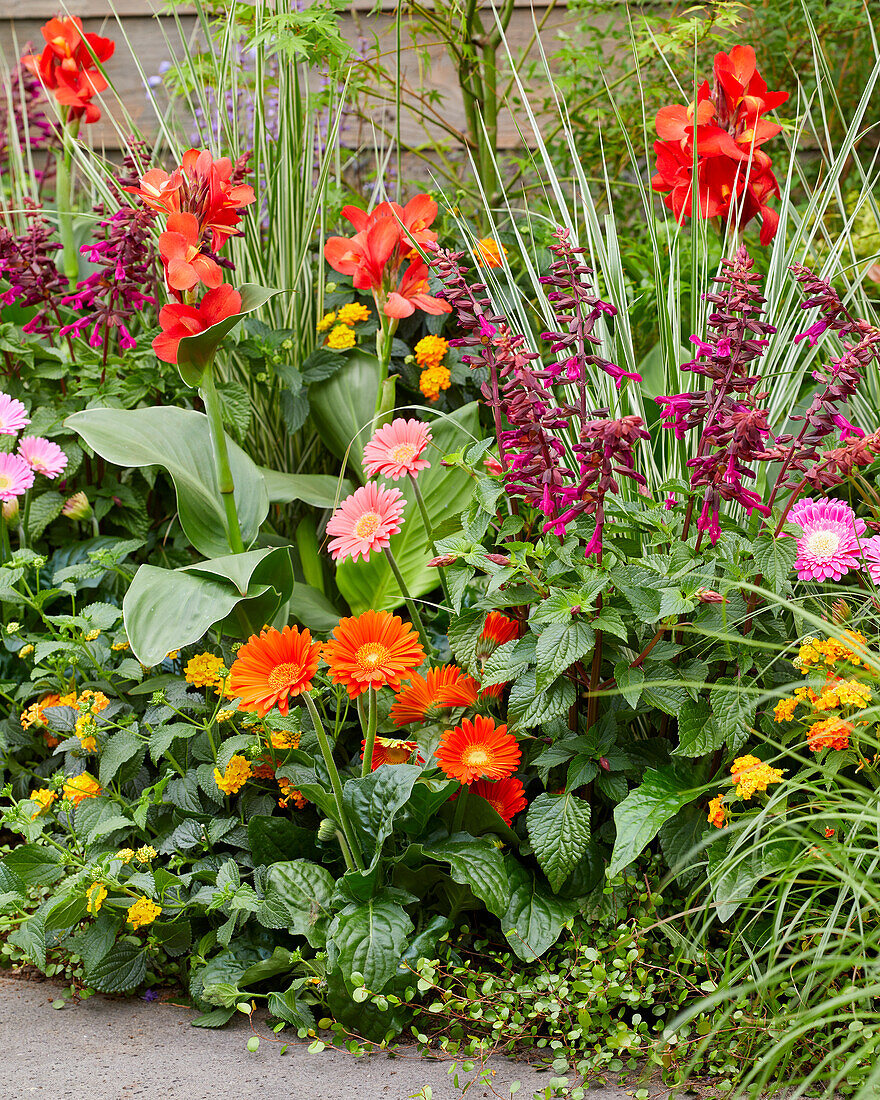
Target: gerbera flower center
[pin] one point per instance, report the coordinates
(823, 544)
(371, 656)
(284, 676)
(476, 756)
(367, 525)
(5, 481)
(403, 452)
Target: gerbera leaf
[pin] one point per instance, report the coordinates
(476, 863)
(370, 940)
(559, 829)
(534, 917)
(373, 801)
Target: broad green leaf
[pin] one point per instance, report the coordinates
(629, 682)
(121, 757)
(560, 645)
(733, 706)
(274, 839)
(370, 939)
(698, 732)
(179, 441)
(30, 937)
(196, 353)
(305, 890)
(167, 609)
(67, 912)
(35, 865)
(216, 1018)
(344, 404)
(287, 1007)
(534, 917)
(528, 708)
(476, 863)
(319, 490)
(775, 558)
(372, 802)
(124, 967)
(313, 609)
(370, 584)
(559, 829)
(662, 793)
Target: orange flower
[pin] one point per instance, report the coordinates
(717, 814)
(376, 649)
(506, 796)
(424, 699)
(272, 667)
(832, 733)
(489, 252)
(497, 630)
(80, 787)
(477, 750)
(388, 751)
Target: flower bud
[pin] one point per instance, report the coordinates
(326, 830)
(10, 510)
(841, 612)
(603, 763)
(77, 507)
(493, 465)
(13, 627)
(498, 559)
(443, 560)
(707, 595)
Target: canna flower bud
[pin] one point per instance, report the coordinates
(443, 560)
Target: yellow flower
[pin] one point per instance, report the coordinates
(326, 321)
(852, 694)
(45, 796)
(489, 252)
(203, 670)
(238, 772)
(340, 338)
(784, 710)
(125, 854)
(146, 853)
(284, 739)
(172, 655)
(430, 351)
(433, 380)
(352, 314)
(144, 911)
(95, 897)
(290, 794)
(224, 716)
(717, 813)
(830, 651)
(84, 729)
(120, 647)
(92, 702)
(81, 787)
(25, 651)
(751, 774)
(92, 634)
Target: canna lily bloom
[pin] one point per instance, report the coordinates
(375, 649)
(478, 750)
(366, 255)
(506, 796)
(387, 750)
(180, 249)
(201, 186)
(412, 294)
(365, 521)
(273, 667)
(178, 320)
(426, 699)
(397, 448)
(412, 221)
(68, 68)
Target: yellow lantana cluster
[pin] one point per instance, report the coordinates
(285, 739)
(751, 774)
(829, 651)
(81, 787)
(341, 338)
(326, 321)
(352, 313)
(203, 670)
(85, 730)
(289, 794)
(95, 897)
(430, 352)
(144, 911)
(717, 813)
(146, 854)
(45, 796)
(237, 773)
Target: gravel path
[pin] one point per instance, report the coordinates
(108, 1049)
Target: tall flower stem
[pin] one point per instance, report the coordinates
(225, 482)
(429, 531)
(384, 339)
(335, 782)
(408, 600)
(370, 731)
(64, 199)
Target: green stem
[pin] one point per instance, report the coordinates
(370, 731)
(335, 783)
(429, 530)
(225, 482)
(408, 600)
(384, 338)
(460, 806)
(64, 200)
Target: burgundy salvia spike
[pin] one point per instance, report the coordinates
(27, 263)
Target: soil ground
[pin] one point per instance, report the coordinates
(106, 1048)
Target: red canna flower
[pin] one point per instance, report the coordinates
(412, 294)
(68, 68)
(721, 133)
(178, 321)
(185, 264)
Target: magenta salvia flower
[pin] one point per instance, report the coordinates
(13, 415)
(871, 556)
(829, 546)
(16, 477)
(43, 456)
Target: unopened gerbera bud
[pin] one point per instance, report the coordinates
(77, 507)
(442, 561)
(10, 510)
(708, 595)
(330, 287)
(498, 559)
(326, 830)
(841, 612)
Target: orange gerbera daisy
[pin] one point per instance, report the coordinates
(271, 667)
(376, 649)
(478, 750)
(497, 630)
(388, 751)
(506, 796)
(425, 698)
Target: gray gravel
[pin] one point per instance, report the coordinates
(108, 1049)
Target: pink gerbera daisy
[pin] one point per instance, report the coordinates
(13, 415)
(16, 477)
(871, 554)
(365, 521)
(43, 456)
(396, 449)
(829, 546)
